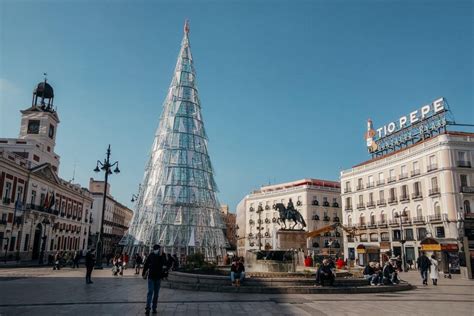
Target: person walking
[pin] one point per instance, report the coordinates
(424, 266)
(153, 271)
(434, 273)
(77, 257)
(90, 261)
(138, 263)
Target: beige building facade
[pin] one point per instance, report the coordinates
(318, 201)
(117, 218)
(418, 194)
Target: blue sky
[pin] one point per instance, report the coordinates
(286, 86)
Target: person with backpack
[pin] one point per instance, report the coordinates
(153, 272)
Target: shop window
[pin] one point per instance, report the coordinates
(440, 232)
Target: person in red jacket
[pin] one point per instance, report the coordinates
(339, 263)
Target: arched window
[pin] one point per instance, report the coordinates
(437, 209)
(467, 207)
(383, 218)
(362, 219)
(349, 220)
(372, 219)
(419, 212)
(394, 214)
(407, 212)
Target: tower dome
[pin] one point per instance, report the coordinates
(44, 90)
(45, 93)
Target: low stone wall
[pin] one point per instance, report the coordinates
(290, 285)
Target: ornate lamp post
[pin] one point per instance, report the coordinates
(259, 235)
(402, 240)
(45, 222)
(105, 166)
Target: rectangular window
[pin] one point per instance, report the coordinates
(33, 197)
(421, 233)
(348, 186)
(42, 198)
(440, 232)
(8, 190)
(27, 239)
(409, 234)
(19, 194)
(463, 179)
(434, 183)
(396, 234)
(403, 170)
(12, 243)
(348, 203)
(417, 188)
(381, 176)
(371, 181)
(361, 199)
(371, 197)
(462, 156)
(381, 195)
(405, 191)
(415, 165)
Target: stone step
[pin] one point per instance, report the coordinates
(247, 288)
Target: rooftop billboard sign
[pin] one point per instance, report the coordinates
(409, 129)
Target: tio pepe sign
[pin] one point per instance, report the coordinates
(405, 122)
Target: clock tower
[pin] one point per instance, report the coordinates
(39, 125)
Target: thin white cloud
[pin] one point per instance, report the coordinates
(8, 87)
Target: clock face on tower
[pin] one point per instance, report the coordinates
(33, 127)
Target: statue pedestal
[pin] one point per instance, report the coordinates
(291, 239)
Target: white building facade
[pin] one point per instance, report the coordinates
(318, 201)
(398, 200)
(40, 213)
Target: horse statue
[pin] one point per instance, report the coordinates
(289, 213)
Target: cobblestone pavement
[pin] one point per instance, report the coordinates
(41, 291)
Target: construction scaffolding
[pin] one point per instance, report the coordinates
(177, 206)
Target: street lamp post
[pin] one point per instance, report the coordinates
(402, 240)
(43, 238)
(106, 166)
(259, 235)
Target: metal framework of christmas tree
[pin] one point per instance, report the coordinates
(177, 206)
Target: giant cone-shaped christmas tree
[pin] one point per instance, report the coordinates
(177, 205)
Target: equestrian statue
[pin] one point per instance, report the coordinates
(289, 213)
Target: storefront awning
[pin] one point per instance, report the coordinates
(432, 244)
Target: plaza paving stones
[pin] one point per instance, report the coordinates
(41, 291)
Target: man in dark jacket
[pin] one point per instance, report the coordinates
(237, 272)
(424, 266)
(90, 261)
(153, 268)
(324, 273)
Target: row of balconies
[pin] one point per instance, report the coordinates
(385, 238)
(298, 203)
(405, 221)
(394, 200)
(402, 176)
